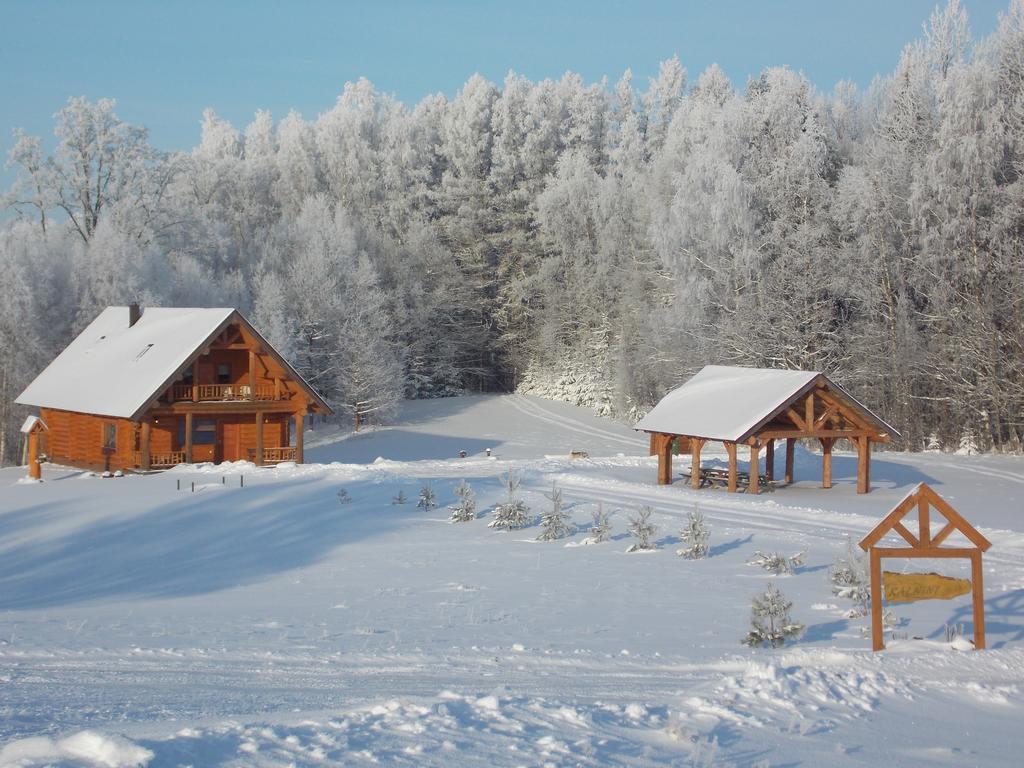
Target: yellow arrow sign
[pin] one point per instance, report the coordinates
(908, 587)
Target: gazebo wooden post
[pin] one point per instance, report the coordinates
(755, 474)
(188, 437)
(730, 448)
(769, 460)
(664, 449)
(790, 445)
(654, 444)
(695, 446)
(863, 464)
(826, 461)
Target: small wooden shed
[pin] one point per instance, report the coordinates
(754, 407)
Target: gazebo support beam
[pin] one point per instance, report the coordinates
(755, 469)
(863, 464)
(826, 462)
(664, 446)
(769, 460)
(695, 445)
(790, 446)
(730, 448)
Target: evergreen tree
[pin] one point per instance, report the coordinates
(770, 623)
(427, 499)
(513, 512)
(555, 522)
(601, 528)
(643, 530)
(695, 535)
(465, 510)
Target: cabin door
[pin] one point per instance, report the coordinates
(204, 440)
(231, 441)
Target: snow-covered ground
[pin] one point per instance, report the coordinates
(270, 624)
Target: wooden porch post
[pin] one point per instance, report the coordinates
(826, 461)
(790, 445)
(259, 438)
(695, 446)
(863, 464)
(145, 462)
(188, 437)
(755, 475)
(730, 448)
(769, 460)
(252, 374)
(299, 430)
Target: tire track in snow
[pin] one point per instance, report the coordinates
(531, 409)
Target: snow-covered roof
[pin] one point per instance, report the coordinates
(115, 370)
(727, 403)
(30, 423)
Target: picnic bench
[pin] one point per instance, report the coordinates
(719, 478)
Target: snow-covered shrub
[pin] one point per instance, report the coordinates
(555, 522)
(399, 499)
(465, 509)
(851, 581)
(643, 530)
(427, 500)
(696, 536)
(776, 563)
(770, 623)
(601, 529)
(513, 512)
(343, 497)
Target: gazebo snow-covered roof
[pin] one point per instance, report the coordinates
(122, 361)
(755, 407)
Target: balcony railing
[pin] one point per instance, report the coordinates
(158, 460)
(226, 392)
(274, 455)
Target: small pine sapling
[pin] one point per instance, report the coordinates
(555, 522)
(601, 530)
(643, 530)
(770, 623)
(343, 497)
(776, 563)
(513, 512)
(427, 500)
(850, 580)
(465, 509)
(399, 499)
(696, 536)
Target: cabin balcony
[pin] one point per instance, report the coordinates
(205, 393)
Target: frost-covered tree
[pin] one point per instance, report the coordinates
(427, 500)
(770, 623)
(601, 527)
(850, 580)
(555, 522)
(399, 498)
(695, 536)
(643, 530)
(776, 563)
(512, 513)
(465, 509)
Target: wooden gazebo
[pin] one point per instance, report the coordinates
(754, 407)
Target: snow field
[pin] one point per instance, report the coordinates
(271, 625)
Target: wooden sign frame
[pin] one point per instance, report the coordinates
(924, 544)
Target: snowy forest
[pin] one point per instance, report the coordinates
(596, 242)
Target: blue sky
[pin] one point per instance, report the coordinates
(165, 62)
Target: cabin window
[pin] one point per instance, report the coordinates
(223, 373)
(204, 432)
(110, 437)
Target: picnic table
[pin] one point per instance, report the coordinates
(719, 478)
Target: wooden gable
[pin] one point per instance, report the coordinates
(925, 500)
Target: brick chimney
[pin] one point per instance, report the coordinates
(134, 313)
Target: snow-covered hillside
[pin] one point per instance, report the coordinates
(271, 624)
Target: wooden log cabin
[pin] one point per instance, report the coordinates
(148, 389)
(752, 408)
